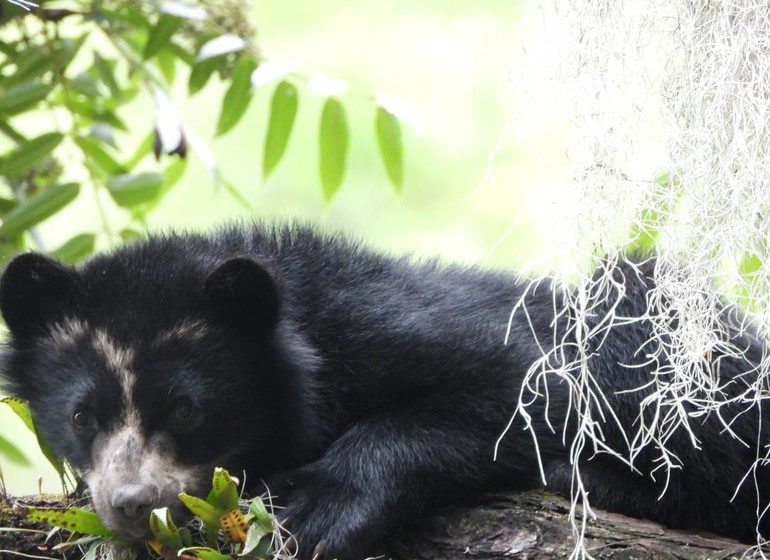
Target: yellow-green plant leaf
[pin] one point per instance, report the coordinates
(224, 491)
(23, 96)
(132, 189)
(209, 514)
(202, 509)
(205, 553)
(29, 153)
(73, 519)
(160, 34)
(388, 129)
(333, 146)
(37, 208)
(22, 410)
(164, 529)
(260, 515)
(283, 111)
(76, 249)
(254, 537)
(12, 453)
(238, 96)
(257, 545)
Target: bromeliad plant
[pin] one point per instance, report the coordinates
(251, 535)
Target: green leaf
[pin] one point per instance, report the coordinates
(29, 153)
(76, 249)
(205, 553)
(106, 70)
(129, 235)
(74, 519)
(30, 63)
(7, 204)
(166, 60)
(224, 492)
(391, 147)
(333, 146)
(22, 410)
(98, 159)
(86, 86)
(34, 210)
(238, 96)
(283, 110)
(260, 516)
(10, 452)
(200, 74)
(132, 189)
(750, 264)
(164, 529)
(85, 107)
(142, 150)
(253, 537)
(208, 513)
(23, 96)
(160, 34)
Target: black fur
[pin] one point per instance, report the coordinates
(362, 388)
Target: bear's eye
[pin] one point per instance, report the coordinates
(83, 419)
(183, 411)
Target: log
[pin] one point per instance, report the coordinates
(535, 526)
(528, 526)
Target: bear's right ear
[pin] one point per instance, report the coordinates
(34, 290)
(244, 291)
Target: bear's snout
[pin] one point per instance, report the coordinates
(134, 501)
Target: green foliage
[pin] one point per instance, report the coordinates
(74, 520)
(75, 72)
(391, 147)
(22, 410)
(283, 111)
(333, 144)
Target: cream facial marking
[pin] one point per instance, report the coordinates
(191, 330)
(67, 333)
(119, 361)
(131, 475)
(132, 472)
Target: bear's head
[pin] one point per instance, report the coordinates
(147, 368)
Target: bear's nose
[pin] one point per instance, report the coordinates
(133, 500)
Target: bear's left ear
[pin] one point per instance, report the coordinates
(34, 292)
(243, 291)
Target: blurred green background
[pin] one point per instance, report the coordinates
(472, 193)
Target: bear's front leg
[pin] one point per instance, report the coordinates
(382, 471)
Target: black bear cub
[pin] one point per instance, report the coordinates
(362, 389)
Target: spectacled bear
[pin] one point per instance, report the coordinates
(361, 388)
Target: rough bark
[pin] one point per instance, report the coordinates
(527, 526)
(534, 525)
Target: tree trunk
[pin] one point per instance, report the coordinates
(528, 525)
